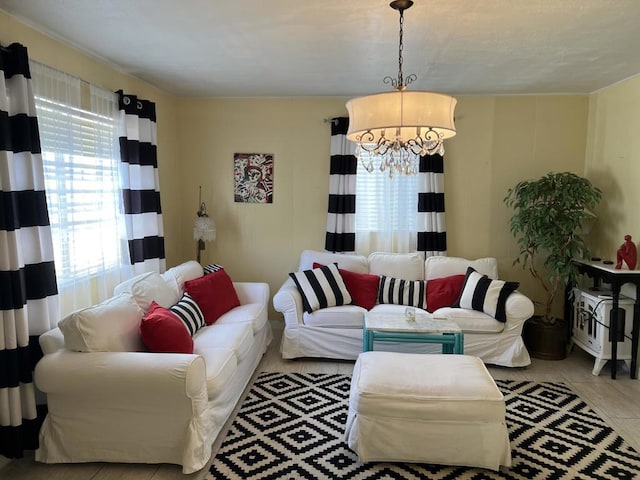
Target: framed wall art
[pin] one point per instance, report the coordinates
(253, 177)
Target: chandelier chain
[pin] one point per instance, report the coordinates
(401, 84)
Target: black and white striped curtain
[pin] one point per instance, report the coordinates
(140, 184)
(432, 231)
(341, 233)
(28, 290)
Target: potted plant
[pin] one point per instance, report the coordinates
(549, 213)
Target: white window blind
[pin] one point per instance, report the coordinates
(386, 211)
(80, 155)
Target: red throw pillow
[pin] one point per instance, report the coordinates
(163, 332)
(214, 293)
(363, 287)
(443, 292)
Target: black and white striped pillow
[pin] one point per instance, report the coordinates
(402, 292)
(189, 312)
(321, 287)
(212, 267)
(483, 294)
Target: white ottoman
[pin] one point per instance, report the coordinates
(443, 409)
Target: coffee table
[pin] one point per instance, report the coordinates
(395, 327)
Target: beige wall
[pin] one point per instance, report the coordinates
(613, 164)
(54, 54)
(500, 141)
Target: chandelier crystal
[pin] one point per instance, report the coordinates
(397, 128)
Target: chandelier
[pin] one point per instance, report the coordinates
(400, 126)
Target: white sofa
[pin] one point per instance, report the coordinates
(336, 332)
(141, 407)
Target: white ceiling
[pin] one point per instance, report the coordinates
(214, 48)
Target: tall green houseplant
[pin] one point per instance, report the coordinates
(548, 214)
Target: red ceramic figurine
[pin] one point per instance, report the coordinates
(628, 253)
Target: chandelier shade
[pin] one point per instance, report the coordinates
(400, 115)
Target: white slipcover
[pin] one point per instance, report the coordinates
(141, 407)
(324, 334)
(443, 409)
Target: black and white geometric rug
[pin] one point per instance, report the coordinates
(290, 426)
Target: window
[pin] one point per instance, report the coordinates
(386, 211)
(82, 190)
(80, 154)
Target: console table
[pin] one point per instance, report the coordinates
(616, 278)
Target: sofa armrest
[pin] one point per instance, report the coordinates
(519, 308)
(51, 341)
(288, 301)
(122, 376)
(252, 292)
(115, 403)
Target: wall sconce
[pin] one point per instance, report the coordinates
(204, 228)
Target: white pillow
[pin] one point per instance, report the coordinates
(176, 276)
(441, 266)
(353, 263)
(111, 326)
(409, 266)
(148, 287)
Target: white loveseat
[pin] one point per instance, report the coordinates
(336, 332)
(141, 407)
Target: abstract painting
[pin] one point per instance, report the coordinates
(253, 177)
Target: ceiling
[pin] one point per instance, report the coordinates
(212, 48)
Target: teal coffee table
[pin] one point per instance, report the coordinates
(396, 327)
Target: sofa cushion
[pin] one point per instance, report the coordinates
(395, 309)
(221, 365)
(443, 292)
(363, 287)
(189, 313)
(346, 316)
(163, 332)
(485, 295)
(111, 326)
(353, 263)
(254, 314)
(409, 266)
(321, 288)
(440, 266)
(214, 293)
(178, 275)
(470, 321)
(402, 292)
(237, 337)
(149, 287)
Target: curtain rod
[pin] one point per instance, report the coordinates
(66, 73)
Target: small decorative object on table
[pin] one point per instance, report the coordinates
(628, 253)
(410, 314)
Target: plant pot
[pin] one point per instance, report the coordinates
(545, 341)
